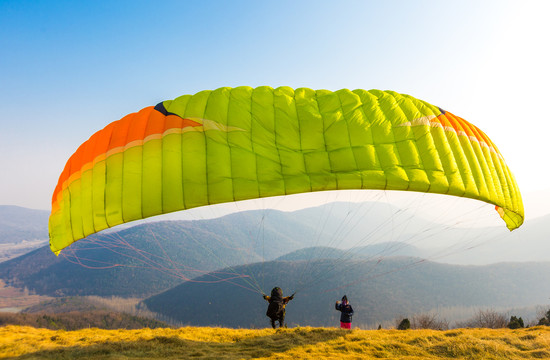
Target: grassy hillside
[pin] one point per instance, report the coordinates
(71, 313)
(16, 297)
(297, 343)
(80, 320)
(378, 291)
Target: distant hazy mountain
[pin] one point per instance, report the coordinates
(143, 259)
(375, 251)
(378, 290)
(18, 224)
(531, 242)
(375, 227)
(271, 233)
(317, 252)
(153, 257)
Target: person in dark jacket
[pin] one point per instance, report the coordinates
(276, 307)
(347, 312)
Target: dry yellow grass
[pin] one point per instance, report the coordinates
(297, 343)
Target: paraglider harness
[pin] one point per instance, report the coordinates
(276, 308)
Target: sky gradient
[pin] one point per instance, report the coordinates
(69, 68)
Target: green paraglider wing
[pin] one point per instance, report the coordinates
(233, 144)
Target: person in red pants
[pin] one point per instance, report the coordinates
(347, 312)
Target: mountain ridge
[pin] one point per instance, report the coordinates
(378, 290)
(19, 224)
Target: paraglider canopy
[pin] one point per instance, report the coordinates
(233, 144)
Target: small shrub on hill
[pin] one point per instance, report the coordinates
(405, 324)
(80, 320)
(516, 323)
(545, 320)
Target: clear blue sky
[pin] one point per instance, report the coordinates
(68, 68)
